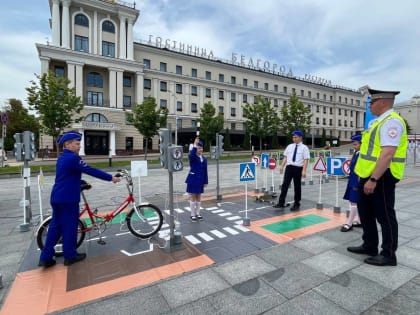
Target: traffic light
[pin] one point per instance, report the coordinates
(220, 144)
(175, 163)
(29, 145)
(18, 147)
(163, 146)
(213, 152)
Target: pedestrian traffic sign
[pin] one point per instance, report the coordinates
(246, 172)
(256, 159)
(272, 163)
(264, 160)
(320, 165)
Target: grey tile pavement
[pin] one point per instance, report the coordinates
(312, 275)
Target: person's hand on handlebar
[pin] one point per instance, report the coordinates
(116, 179)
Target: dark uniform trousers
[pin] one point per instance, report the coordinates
(295, 173)
(379, 206)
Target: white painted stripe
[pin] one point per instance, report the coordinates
(241, 228)
(239, 222)
(97, 238)
(165, 225)
(205, 236)
(218, 211)
(178, 210)
(122, 233)
(218, 233)
(212, 208)
(230, 230)
(166, 211)
(236, 217)
(138, 253)
(192, 239)
(225, 214)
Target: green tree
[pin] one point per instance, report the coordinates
(226, 140)
(247, 139)
(55, 102)
(295, 116)
(261, 119)
(19, 121)
(147, 119)
(210, 123)
(275, 142)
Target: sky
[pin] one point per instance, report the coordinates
(352, 43)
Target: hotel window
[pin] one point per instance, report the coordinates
(331, 110)
(256, 84)
(285, 103)
(193, 107)
(317, 96)
(146, 63)
(255, 99)
(94, 79)
(163, 86)
(339, 122)
(309, 94)
(163, 67)
(221, 95)
(108, 49)
(233, 80)
(208, 75)
(127, 101)
(324, 121)
(351, 113)
(244, 98)
(330, 122)
(266, 86)
(59, 71)
(339, 99)
(208, 92)
(276, 102)
(179, 106)
(221, 109)
(81, 19)
(245, 82)
(221, 77)
(233, 112)
(285, 89)
(233, 126)
(293, 91)
(194, 90)
(95, 98)
(108, 26)
(302, 93)
(324, 110)
(178, 88)
(147, 84)
(126, 81)
(233, 96)
(345, 112)
(331, 98)
(276, 88)
(317, 121)
(351, 101)
(339, 111)
(345, 123)
(163, 104)
(345, 100)
(351, 124)
(81, 43)
(96, 117)
(194, 73)
(325, 97)
(178, 69)
(317, 108)
(358, 102)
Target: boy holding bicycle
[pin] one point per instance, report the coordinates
(65, 198)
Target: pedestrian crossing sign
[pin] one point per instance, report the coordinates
(246, 172)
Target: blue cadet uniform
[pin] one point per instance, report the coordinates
(352, 190)
(197, 177)
(65, 198)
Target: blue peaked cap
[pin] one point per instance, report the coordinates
(357, 137)
(200, 143)
(69, 135)
(297, 133)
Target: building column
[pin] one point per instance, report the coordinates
(119, 87)
(155, 89)
(95, 32)
(123, 39)
(112, 142)
(139, 88)
(65, 27)
(55, 23)
(82, 142)
(45, 64)
(112, 89)
(75, 75)
(130, 48)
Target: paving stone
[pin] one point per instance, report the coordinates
(395, 304)
(283, 254)
(314, 244)
(331, 263)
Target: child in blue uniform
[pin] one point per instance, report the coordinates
(65, 198)
(352, 190)
(197, 178)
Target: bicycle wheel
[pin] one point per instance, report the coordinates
(41, 235)
(144, 222)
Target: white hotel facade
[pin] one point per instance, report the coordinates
(92, 44)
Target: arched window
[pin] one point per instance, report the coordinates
(95, 117)
(81, 19)
(108, 26)
(95, 79)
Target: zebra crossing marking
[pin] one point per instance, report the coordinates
(230, 230)
(218, 233)
(218, 211)
(242, 228)
(193, 240)
(236, 217)
(205, 236)
(225, 214)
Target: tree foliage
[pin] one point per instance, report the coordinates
(226, 140)
(210, 123)
(295, 116)
(147, 119)
(55, 102)
(19, 120)
(261, 119)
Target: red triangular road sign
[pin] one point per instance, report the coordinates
(320, 165)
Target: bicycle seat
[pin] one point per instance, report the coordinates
(85, 186)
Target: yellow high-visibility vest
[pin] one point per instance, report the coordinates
(370, 150)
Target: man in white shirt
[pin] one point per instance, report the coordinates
(296, 157)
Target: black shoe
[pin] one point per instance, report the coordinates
(380, 260)
(295, 208)
(193, 219)
(46, 264)
(199, 217)
(277, 205)
(362, 250)
(79, 257)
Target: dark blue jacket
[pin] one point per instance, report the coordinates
(353, 178)
(68, 176)
(198, 170)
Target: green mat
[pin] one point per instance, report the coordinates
(294, 224)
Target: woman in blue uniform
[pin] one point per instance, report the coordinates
(352, 190)
(65, 198)
(197, 178)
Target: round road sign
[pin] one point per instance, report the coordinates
(256, 159)
(4, 118)
(346, 167)
(272, 163)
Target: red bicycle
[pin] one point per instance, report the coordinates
(143, 220)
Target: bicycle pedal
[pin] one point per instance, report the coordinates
(101, 242)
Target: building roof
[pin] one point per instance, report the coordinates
(414, 101)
